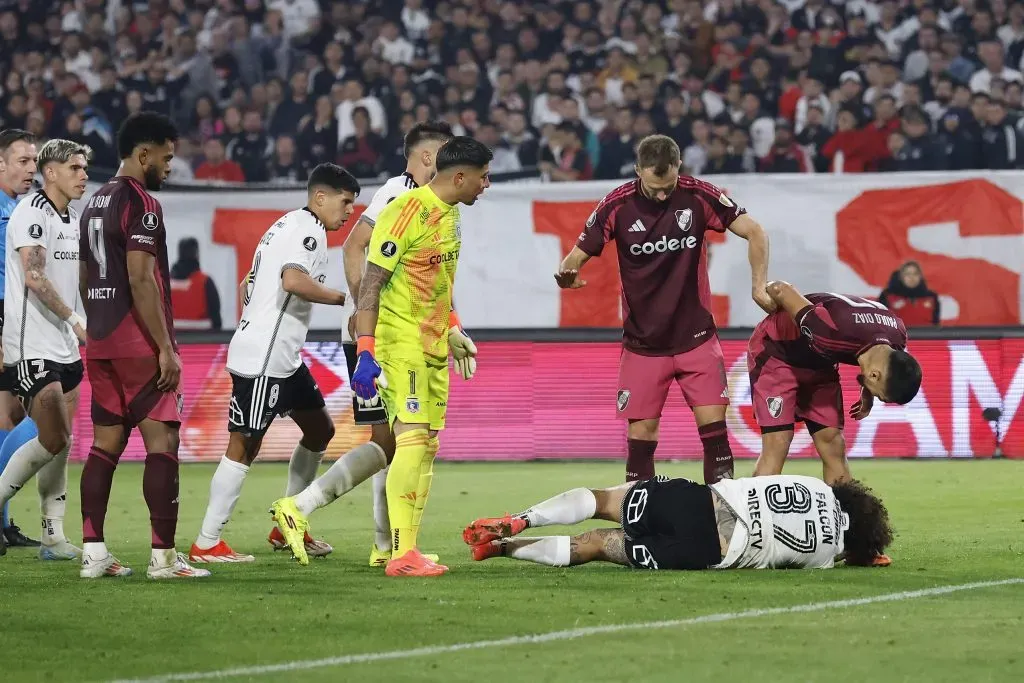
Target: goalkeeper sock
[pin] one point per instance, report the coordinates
(302, 468)
(718, 463)
(571, 507)
(381, 522)
(553, 551)
(423, 488)
(403, 481)
(640, 459)
(350, 470)
(225, 490)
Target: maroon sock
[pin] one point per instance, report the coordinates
(160, 488)
(97, 478)
(718, 462)
(640, 459)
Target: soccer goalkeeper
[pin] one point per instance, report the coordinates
(403, 318)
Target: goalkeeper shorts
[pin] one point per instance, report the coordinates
(417, 391)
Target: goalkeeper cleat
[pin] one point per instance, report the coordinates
(61, 550)
(16, 539)
(293, 526)
(221, 552)
(314, 547)
(176, 567)
(492, 529)
(414, 563)
(93, 568)
(380, 558)
(485, 551)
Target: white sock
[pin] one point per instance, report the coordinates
(96, 550)
(26, 461)
(571, 507)
(52, 482)
(347, 472)
(550, 550)
(381, 520)
(225, 490)
(302, 469)
(162, 557)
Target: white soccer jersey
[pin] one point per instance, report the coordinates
(783, 521)
(274, 323)
(31, 330)
(400, 184)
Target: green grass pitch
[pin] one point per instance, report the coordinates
(957, 522)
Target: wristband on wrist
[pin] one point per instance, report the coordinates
(453, 321)
(76, 319)
(366, 342)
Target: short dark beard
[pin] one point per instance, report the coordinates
(152, 179)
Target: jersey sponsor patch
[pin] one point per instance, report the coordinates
(150, 221)
(35, 231)
(388, 249)
(309, 244)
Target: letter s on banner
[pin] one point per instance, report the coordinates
(873, 232)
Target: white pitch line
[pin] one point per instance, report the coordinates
(568, 634)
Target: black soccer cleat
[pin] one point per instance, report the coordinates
(16, 539)
(3, 545)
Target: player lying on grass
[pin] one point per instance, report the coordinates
(776, 522)
(792, 357)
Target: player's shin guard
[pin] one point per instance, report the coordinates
(718, 463)
(403, 482)
(302, 469)
(640, 459)
(426, 478)
(160, 489)
(52, 483)
(97, 477)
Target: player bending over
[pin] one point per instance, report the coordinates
(421, 145)
(403, 321)
(776, 522)
(17, 171)
(131, 354)
(660, 223)
(792, 357)
(43, 332)
(268, 377)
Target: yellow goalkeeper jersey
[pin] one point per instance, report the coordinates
(417, 237)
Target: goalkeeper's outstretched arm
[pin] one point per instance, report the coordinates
(368, 305)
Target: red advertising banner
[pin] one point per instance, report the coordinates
(557, 400)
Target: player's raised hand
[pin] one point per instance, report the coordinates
(761, 298)
(170, 371)
(463, 352)
(862, 408)
(569, 279)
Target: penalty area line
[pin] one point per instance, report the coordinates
(567, 634)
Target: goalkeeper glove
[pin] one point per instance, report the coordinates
(463, 349)
(367, 375)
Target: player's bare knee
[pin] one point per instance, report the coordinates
(609, 502)
(644, 430)
(382, 436)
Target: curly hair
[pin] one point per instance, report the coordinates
(870, 532)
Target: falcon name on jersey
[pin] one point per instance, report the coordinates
(31, 330)
(274, 323)
(784, 521)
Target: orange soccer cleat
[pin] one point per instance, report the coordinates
(221, 552)
(414, 563)
(492, 529)
(881, 560)
(485, 551)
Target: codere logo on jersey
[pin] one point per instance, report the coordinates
(663, 245)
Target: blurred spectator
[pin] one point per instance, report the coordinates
(813, 94)
(990, 53)
(565, 160)
(285, 166)
(354, 96)
(960, 138)
(520, 141)
(194, 296)
(814, 136)
(785, 155)
(695, 156)
(318, 135)
(361, 152)
(908, 296)
(999, 139)
(298, 106)
(217, 166)
(720, 160)
(251, 149)
(505, 159)
(206, 120)
(913, 147)
(739, 144)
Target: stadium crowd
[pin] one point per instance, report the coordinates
(267, 90)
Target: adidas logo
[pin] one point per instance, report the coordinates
(637, 227)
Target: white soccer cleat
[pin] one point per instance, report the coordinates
(179, 568)
(105, 566)
(61, 550)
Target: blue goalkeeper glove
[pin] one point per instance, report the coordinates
(368, 375)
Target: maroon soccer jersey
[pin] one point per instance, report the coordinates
(121, 217)
(666, 299)
(833, 329)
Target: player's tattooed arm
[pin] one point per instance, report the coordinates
(598, 544)
(33, 261)
(354, 255)
(368, 305)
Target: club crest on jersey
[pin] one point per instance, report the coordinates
(275, 393)
(622, 400)
(150, 221)
(35, 231)
(774, 404)
(412, 405)
(309, 244)
(684, 219)
(388, 249)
